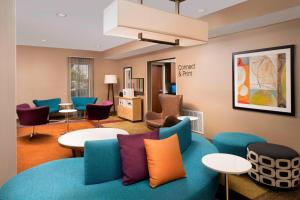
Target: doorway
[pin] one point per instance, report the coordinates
(162, 80)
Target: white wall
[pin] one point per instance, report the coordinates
(7, 90)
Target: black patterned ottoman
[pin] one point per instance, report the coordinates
(274, 165)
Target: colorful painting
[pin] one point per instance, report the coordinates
(263, 80)
(138, 86)
(127, 76)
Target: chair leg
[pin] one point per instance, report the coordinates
(98, 123)
(33, 132)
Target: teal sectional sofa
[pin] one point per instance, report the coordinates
(65, 179)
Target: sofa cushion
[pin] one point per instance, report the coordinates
(101, 161)
(182, 129)
(164, 160)
(235, 142)
(133, 156)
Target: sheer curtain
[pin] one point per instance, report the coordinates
(81, 83)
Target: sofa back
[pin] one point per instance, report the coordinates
(83, 101)
(53, 104)
(102, 161)
(183, 130)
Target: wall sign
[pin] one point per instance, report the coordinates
(185, 70)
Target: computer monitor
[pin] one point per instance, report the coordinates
(173, 88)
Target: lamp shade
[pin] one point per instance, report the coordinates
(110, 79)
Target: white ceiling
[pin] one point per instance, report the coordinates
(82, 28)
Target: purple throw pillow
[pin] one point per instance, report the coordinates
(133, 156)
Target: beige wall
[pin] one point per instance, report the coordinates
(209, 89)
(7, 90)
(43, 73)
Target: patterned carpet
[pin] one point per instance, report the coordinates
(44, 146)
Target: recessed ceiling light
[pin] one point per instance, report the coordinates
(201, 10)
(44, 40)
(60, 14)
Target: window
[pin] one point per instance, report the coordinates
(81, 77)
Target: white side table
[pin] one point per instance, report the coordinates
(65, 105)
(227, 164)
(192, 118)
(67, 112)
(75, 139)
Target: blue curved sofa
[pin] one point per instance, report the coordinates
(65, 179)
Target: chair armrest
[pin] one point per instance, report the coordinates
(170, 120)
(153, 115)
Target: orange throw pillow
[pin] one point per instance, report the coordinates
(164, 160)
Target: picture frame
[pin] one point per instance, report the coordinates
(263, 80)
(138, 86)
(127, 76)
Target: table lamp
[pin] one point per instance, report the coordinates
(110, 80)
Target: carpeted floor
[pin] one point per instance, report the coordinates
(243, 185)
(44, 147)
(132, 128)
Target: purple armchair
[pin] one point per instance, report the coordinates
(32, 116)
(98, 111)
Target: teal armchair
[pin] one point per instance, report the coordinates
(81, 102)
(53, 104)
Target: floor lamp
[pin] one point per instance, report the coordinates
(110, 80)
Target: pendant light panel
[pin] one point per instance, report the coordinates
(131, 20)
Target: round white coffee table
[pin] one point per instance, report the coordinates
(192, 118)
(67, 112)
(227, 164)
(75, 139)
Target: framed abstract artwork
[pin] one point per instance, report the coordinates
(138, 86)
(127, 76)
(263, 80)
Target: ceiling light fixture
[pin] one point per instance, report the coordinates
(135, 21)
(60, 14)
(44, 40)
